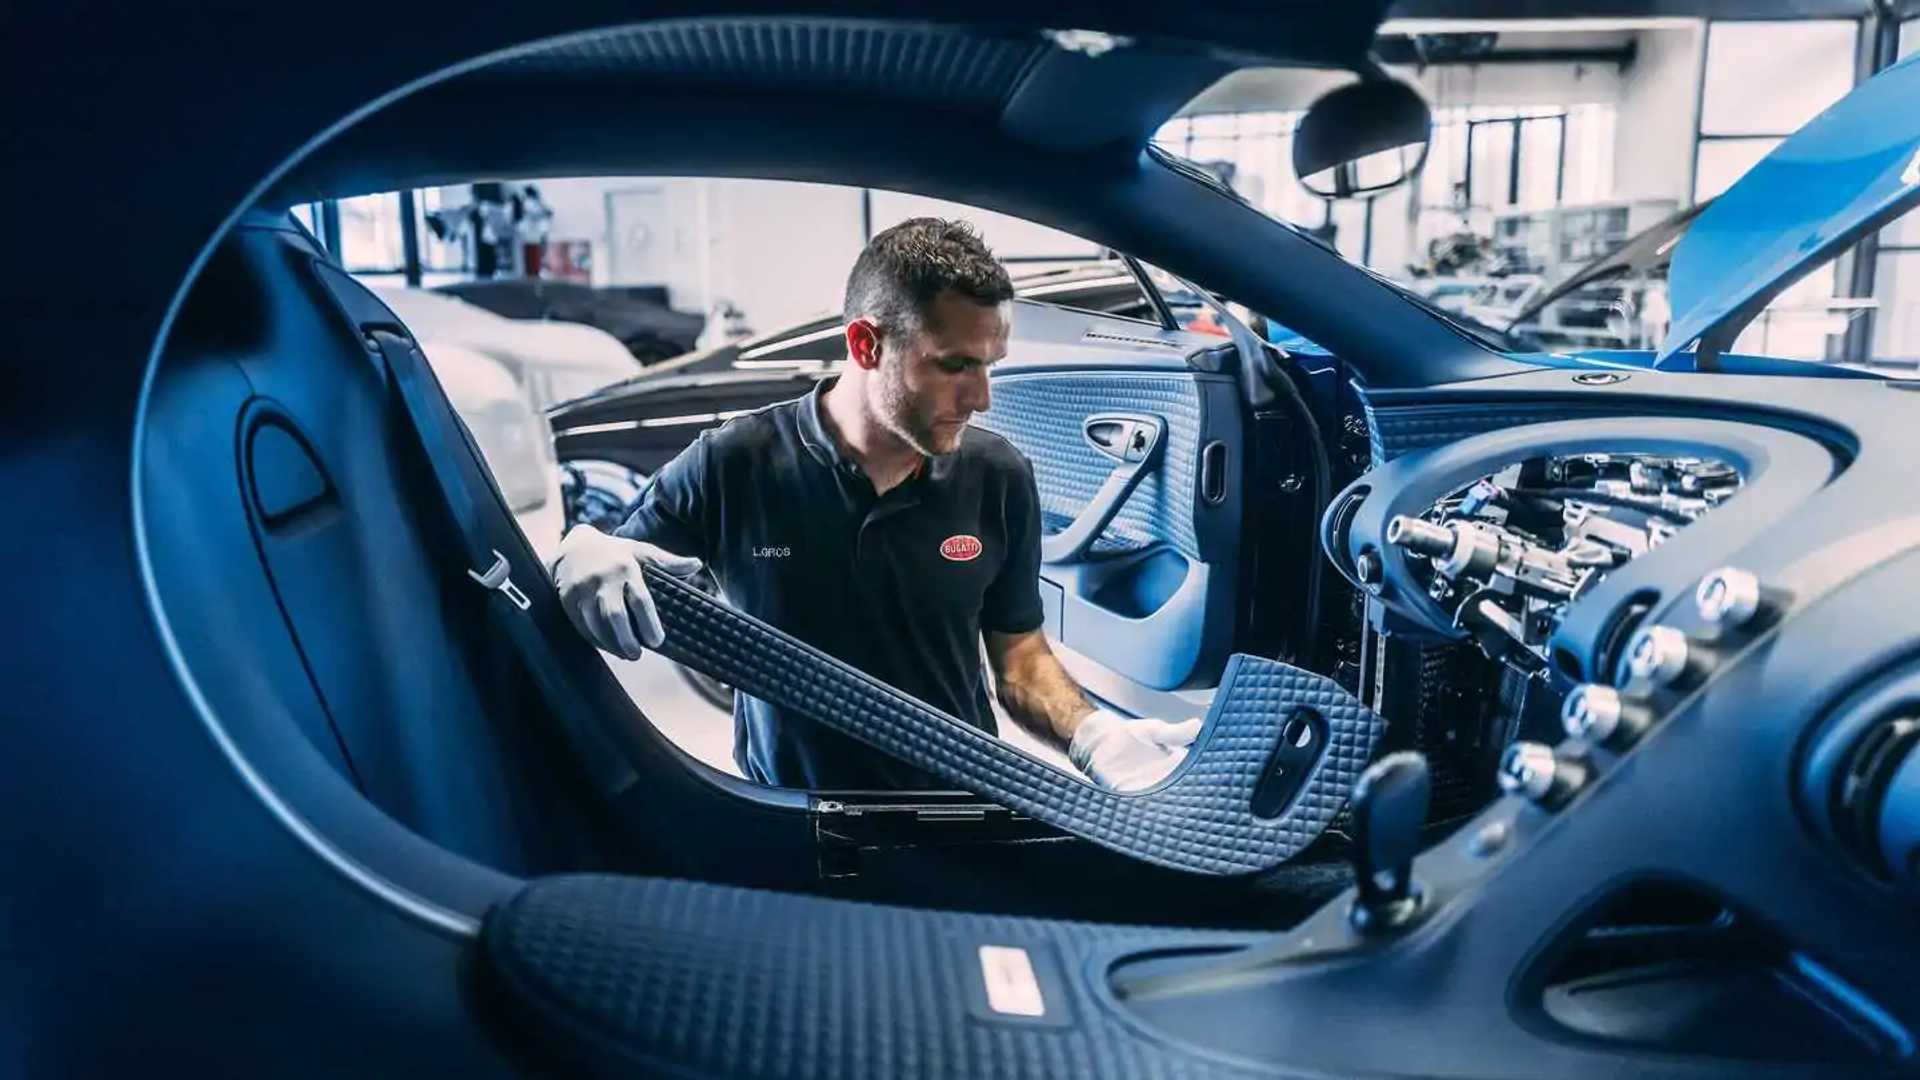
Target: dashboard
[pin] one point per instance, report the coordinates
(1707, 584)
(1549, 544)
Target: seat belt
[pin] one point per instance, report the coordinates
(484, 526)
(486, 532)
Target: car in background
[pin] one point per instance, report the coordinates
(554, 361)
(637, 316)
(513, 436)
(1105, 286)
(653, 414)
(502, 375)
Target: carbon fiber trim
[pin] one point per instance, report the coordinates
(863, 60)
(1202, 822)
(640, 977)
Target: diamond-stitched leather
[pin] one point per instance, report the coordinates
(1201, 822)
(646, 977)
(1043, 416)
(1402, 429)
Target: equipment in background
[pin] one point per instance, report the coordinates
(505, 230)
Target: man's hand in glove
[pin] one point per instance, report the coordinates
(601, 589)
(1128, 754)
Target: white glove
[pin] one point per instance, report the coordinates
(598, 579)
(1127, 754)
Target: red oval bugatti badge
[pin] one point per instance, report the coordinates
(961, 548)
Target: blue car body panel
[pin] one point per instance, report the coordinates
(1849, 170)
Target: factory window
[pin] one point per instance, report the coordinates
(1896, 279)
(1483, 161)
(370, 234)
(440, 254)
(1763, 81)
(415, 237)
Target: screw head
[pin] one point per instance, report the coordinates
(1658, 653)
(1591, 712)
(1527, 769)
(1728, 597)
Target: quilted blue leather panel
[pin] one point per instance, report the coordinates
(1042, 415)
(645, 977)
(1402, 429)
(1201, 822)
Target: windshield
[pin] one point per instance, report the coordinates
(1451, 238)
(1617, 298)
(1621, 302)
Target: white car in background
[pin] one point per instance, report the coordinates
(555, 361)
(514, 437)
(502, 375)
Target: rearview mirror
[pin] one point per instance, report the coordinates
(1362, 139)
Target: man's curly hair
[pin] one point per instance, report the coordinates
(895, 280)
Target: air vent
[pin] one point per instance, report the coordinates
(1128, 339)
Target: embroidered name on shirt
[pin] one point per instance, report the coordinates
(772, 552)
(961, 548)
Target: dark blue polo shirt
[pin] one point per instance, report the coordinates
(898, 585)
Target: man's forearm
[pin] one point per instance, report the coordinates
(1042, 698)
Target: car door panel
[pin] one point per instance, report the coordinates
(1151, 598)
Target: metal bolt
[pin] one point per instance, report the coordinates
(1591, 712)
(1658, 653)
(1527, 769)
(1366, 566)
(1728, 597)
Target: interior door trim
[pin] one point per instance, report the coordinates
(1135, 443)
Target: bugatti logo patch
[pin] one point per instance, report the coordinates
(961, 548)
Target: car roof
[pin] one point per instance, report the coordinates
(1009, 70)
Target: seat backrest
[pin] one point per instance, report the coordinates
(287, 492)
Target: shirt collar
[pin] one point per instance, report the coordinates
(826, 449)
(813, 433)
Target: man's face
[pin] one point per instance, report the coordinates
(929, 385)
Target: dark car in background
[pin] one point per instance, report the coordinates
(637, 315)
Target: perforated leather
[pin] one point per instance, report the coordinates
(1043, 416)
(635, 976)
(1201, 821)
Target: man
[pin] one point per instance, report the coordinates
(871, 521)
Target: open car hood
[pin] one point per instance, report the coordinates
(1851, 169)
(1647, 250)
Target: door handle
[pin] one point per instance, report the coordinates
(1134, 443)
